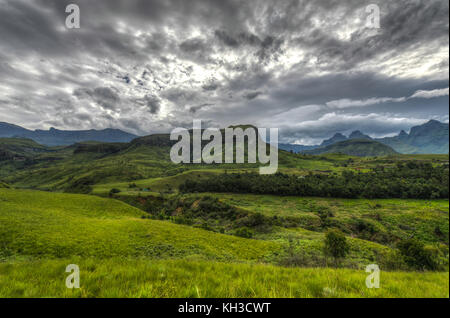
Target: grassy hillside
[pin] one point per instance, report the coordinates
(122, 254)
(181, 278)
(49, 225)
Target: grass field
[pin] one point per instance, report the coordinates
(181, 278)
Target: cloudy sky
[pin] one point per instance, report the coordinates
(310, 68)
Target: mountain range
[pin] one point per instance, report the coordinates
(56, 137)
(429, 138)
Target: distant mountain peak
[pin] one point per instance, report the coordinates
(431, 137)
(358, 135)
(336, 138)
(403, 135)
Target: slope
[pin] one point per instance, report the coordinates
(50, 225)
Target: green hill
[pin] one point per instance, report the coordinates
(355, 147)
(52, 225)
(19, 148)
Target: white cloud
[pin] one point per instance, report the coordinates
(431, 94)
(375, 125)
(347, 103)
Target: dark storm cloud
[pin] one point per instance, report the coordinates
(103, 96)
(304, 65)
(153, 104)
(252, 95)
(210, 86)
(195, 109)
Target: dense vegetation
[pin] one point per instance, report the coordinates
(411, 180)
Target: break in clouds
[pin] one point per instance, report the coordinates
(311, 68)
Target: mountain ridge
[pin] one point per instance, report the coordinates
(431, 137)
(56, 137)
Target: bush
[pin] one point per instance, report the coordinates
(336, 245)
(244, 232)
(417, 256)
(392, 260)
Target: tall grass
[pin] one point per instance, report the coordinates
(181, 278)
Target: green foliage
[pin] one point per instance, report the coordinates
(417, 256)
(335, 245)
(414, 180)
(244, 232)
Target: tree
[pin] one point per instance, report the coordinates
(417, 256)
(336, 245)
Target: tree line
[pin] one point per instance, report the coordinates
(404, 180)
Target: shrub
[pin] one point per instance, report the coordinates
(392, 259)
(336, 245)
(417, 256)
(244, 232)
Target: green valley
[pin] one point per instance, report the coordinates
(127, 206)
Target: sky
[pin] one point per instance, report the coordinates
(310, 68)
